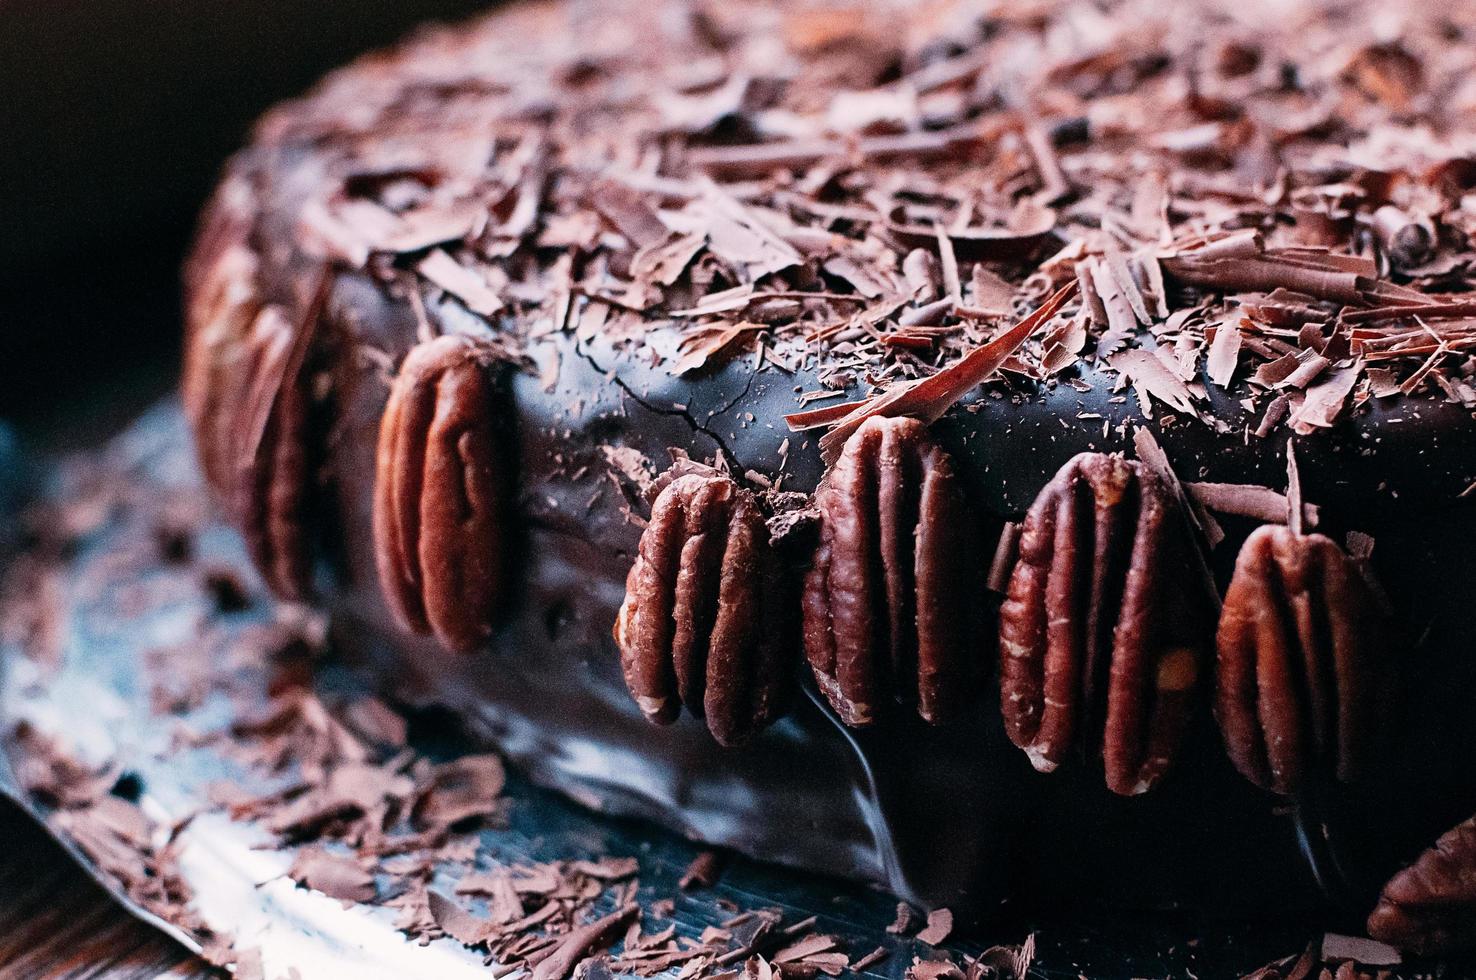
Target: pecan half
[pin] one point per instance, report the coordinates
(224, 304)
(1302, 662)
(277, 448)
(701, 624)
(888, 599)
(440, 493)
(1104, 626)
(1429, 908)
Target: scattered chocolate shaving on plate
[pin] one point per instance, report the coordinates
(940, 925)
(704, 871)
(335, 875)
(905, 920)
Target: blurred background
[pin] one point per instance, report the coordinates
(115, 118)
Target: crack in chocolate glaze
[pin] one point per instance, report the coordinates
(674, 411)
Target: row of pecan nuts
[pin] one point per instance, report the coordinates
(1102, 635)
(1104, 632)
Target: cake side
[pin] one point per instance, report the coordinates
(676, 260)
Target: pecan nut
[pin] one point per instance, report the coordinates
(440, 493)
(1103, 628)
(1302, 662)
(701, 625)
(278, 446)
(887, 602)
(224, 304)
(250, 390)
(1429, 908)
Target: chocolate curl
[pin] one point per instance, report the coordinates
(1248, 500)
(1407, 239)
(927, 399)
(1201, 527)
(1264, 275)
(759, 159)
(982, 244)
(561, 960)
(1241, 262)
(1293, 490)
(284, 358)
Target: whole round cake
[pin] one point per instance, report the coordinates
(990, 450)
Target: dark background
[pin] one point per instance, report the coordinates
(115, 118)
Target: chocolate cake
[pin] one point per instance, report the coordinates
(992, 451)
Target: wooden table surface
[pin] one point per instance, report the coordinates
(56, 923)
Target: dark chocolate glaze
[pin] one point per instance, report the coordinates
(943, 816)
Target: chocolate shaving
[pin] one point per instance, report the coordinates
(1146, 372)
(981, 244)
(457, 280)
(1359, 949)
(463, 789)
(1224, 352)
(457, 922)
(944, 969)
(948, 263)
(701, 349)
(1248, 500)
(1107, 297)
(1294, 506)
(559, 962)
(666, 260)
(904, 920)
(929, 398)
(1242, 262)
(335, 875)
(1005, 554)
(628, 212)
(759, 159)
(1324, 402)
(1200, 525)
(737, 236)
(704, 871)
(940, 925)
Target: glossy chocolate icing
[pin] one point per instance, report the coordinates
(952, 815)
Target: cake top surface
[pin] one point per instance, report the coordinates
(1250, 216)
